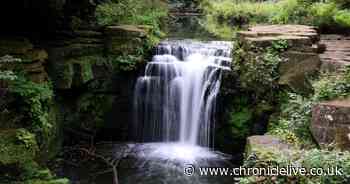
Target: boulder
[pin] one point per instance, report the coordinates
(331, 123)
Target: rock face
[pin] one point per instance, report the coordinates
(301, 55)
(337, 53)
(331, 123)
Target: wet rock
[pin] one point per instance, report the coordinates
(331, 123)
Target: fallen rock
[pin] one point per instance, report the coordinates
(331, 123)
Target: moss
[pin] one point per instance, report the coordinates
(17, 146)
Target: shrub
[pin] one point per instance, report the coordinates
(323, 13)
(290, 11)
(326, 15)
(147, 12)
(342, 18)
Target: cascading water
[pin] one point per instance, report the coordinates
(175, 99)
(174, 112)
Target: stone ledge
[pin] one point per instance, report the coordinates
(126, 30)
(278, 32)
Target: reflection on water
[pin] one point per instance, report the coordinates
(152, 163)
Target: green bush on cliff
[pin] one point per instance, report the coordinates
(259, 71)
(36, 98)
(136, 12)
(294, 119)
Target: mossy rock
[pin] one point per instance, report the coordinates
(17, 146)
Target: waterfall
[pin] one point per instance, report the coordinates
(175, 99)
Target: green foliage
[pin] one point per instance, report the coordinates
(314, 158)
(290, 11)
(295, 116)
(17, 146)
(326, 15)
(331, 86)
(323, 13)
(259, 71)
(92, 109)
(134, 12)
(342, 3)
(7, 75)
(294, 120)
(342, 18)
(27, 138)
(36, 98)
(240, 120)
(125, 63)
(147, 12)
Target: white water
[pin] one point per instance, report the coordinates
(175, 99)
